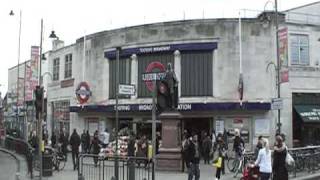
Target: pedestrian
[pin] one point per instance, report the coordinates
(238, 144)
(206, 146)
(53, 140)
(225, 138)
(29, 157)
(279, 168)
(194, 155)
(63, 140)
(213, 142)
(131, 145)
(87, 142)
(158, 138)
(95, 148)
(83, 141)
(142, 150)
(75, 143)
(222, 151)
(219, 162)
(185, 145)
(104, 138)
(258, 147)
(264, 161)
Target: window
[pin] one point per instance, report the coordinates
(56, 69)
(68, 66)
(299, 48)
(199, 82)
(124, 75)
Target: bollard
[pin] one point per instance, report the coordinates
(17, 176)
(80, 177)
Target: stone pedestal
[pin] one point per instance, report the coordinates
(169, 157)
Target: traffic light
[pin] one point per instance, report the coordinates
(38, 93)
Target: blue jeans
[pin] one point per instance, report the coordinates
(264, 176)
(194, 170)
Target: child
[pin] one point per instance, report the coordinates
(219, 164)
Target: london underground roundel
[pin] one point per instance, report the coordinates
(150, 69)
(83, 92)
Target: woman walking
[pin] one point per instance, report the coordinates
(264, 161)
(280, 171)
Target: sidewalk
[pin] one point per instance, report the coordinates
(207, 173)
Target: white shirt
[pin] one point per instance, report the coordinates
(264, 161)
(105, 137)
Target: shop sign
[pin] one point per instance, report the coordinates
(83, 92)
(276, 103)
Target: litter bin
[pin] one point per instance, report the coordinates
(47, 165)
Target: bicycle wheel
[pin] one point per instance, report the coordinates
(61, 162)
(238, 168)
(232, 164)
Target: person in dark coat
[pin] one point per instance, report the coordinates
(142, 150)
(87, 142)
(279, 169)
(193, 152)
(63, 140)
(95, 147)
(53, 139)
(221, 148)
(258, 147)
(75, 142)
(206, 146)
(158, 138)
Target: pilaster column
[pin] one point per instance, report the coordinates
(177, 68)
(134, 74)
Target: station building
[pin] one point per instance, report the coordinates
(205, 55)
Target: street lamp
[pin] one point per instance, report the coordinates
(19, 42)
(277, 65)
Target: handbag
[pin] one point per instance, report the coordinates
(217, 163)
(289, 159)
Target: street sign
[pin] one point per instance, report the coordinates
(276, 103)
(127, 89)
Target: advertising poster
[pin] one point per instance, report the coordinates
(283, 54)
(32, 73)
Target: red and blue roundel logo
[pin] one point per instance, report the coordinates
(83, 92)
(152, 66)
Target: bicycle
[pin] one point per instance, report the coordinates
(58, 160)
(236, 165)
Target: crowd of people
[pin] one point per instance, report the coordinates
(211, 148)
(194, 149)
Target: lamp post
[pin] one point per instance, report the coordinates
(19, 42)
(278, 62)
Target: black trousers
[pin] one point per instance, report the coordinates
(75, 159)
(218, 173)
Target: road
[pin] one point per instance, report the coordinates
(8, 166)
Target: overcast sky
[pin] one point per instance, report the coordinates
(72, 18)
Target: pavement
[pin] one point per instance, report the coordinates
(8, 168)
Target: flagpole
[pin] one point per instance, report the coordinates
(240, 86)
(84, 56)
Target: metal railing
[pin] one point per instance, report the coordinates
(307, 160)
(95, 167)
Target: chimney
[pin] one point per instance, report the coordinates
(57, 44)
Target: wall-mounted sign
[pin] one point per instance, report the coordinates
(155, 70)
(127, 89)
(83, 92)
(276, 103)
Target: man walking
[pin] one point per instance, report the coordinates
(105, 138)
(75, 143)
(194, 155)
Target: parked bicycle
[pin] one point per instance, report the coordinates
(58, 159)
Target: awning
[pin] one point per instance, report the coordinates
(308, 113)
